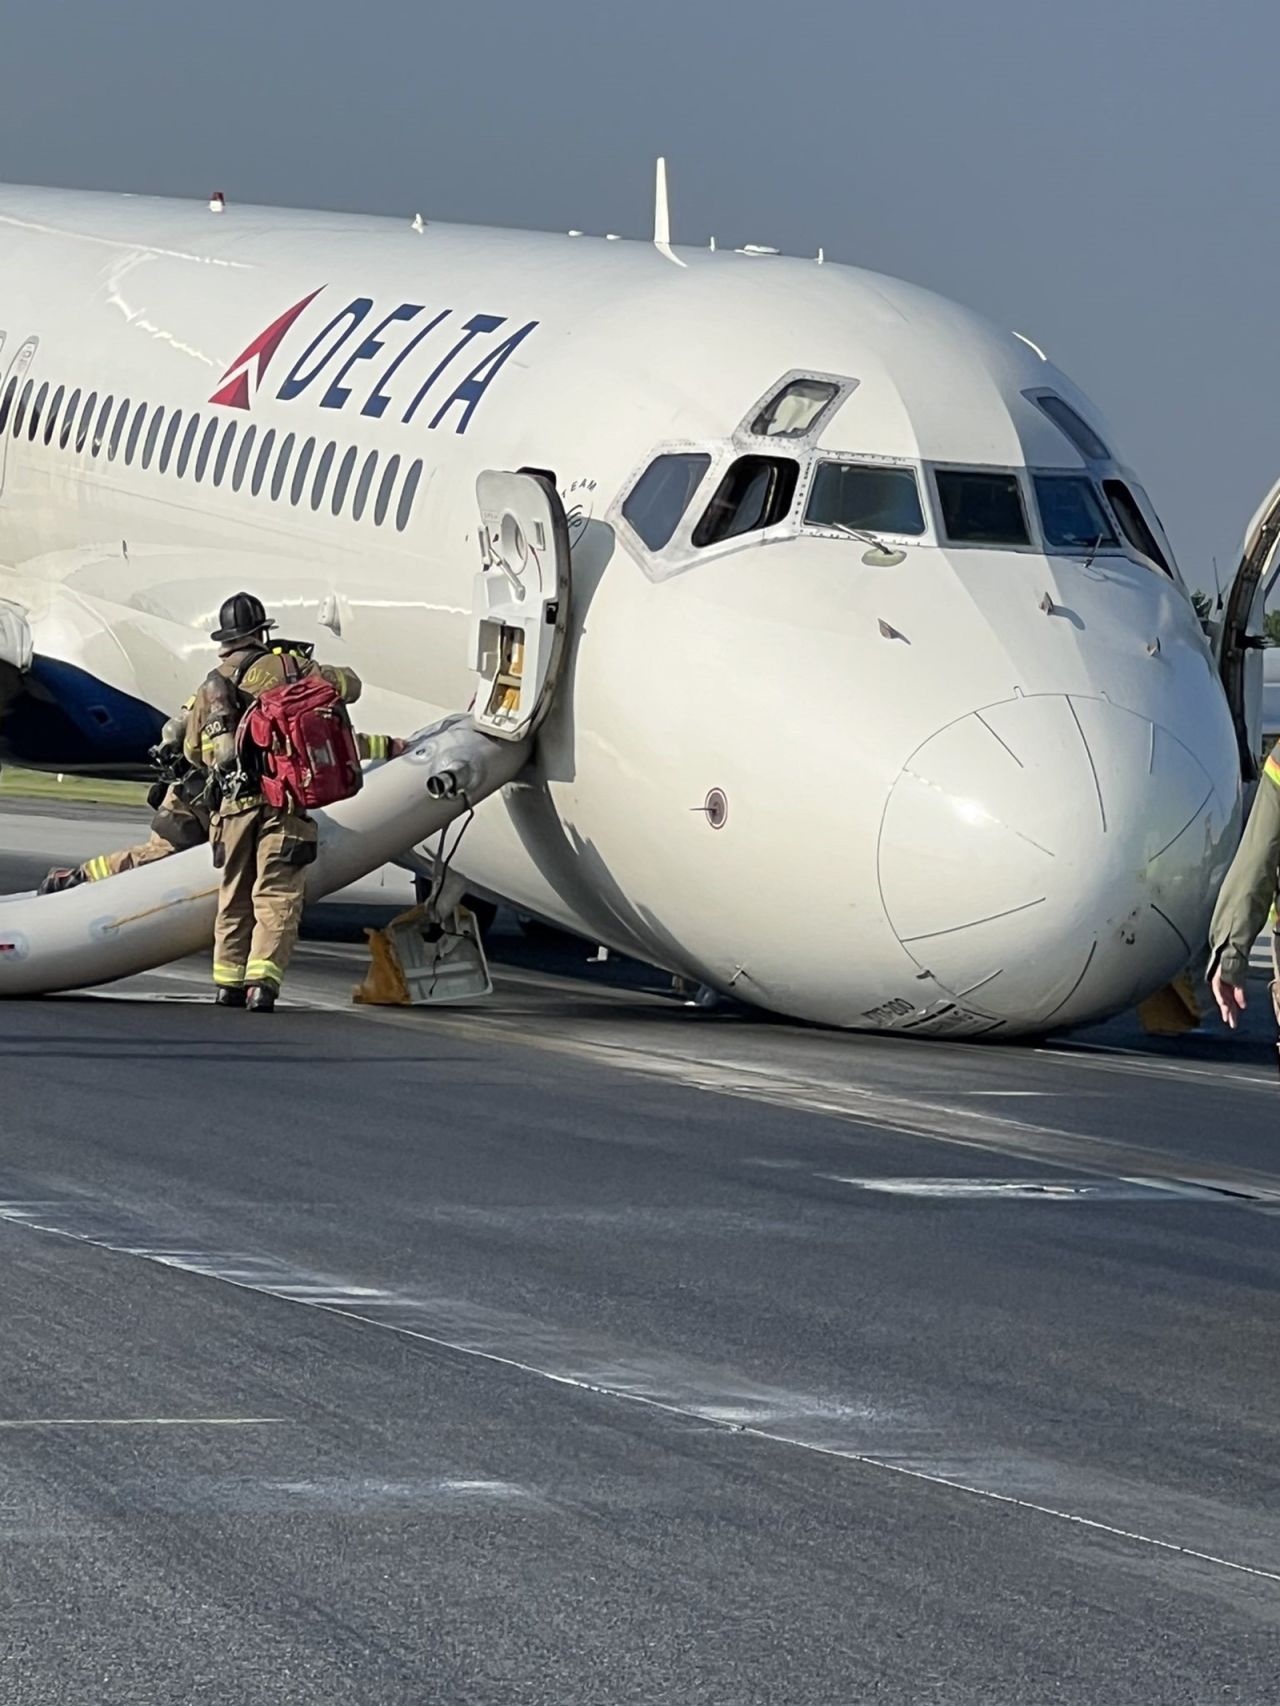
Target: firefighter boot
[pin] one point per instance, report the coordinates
(231, 998)
(262, 998)
(62, 877)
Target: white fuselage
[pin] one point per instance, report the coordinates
(955, 787)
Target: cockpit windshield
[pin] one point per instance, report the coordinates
(661, 495)
(796, 409)
(860, 494)
(755, 493)
(981, 506)
(1072, 515)
(1134, 523)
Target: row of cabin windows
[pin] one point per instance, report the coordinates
(224, 452)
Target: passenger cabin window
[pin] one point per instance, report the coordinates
(68, 420)
(1071, 514)
(655, 504)
(117, 431)
(408, 492)
(363, 484)
(300, 471)
(384, 491)
(854, 494)
(51, 416)
(1073, 427)
(86, 420)
(318, 487)
(321, 481)
(266, 445)
(981, 507)
(242, 458)
(135, 433)
(1133, 524)
(224, 453)
(339, 494)
(796, 409)
(152, 438)
(282, 466)
(206, 448)
(18, 418)
(33, 423)
(100, 429)
(756, 492)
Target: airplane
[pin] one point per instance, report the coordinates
(881, 700)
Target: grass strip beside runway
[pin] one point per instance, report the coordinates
(75, 790)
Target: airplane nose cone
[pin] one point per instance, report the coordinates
(1051, 859)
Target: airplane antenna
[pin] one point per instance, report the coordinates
(661, 207)
(419, 223)
(822, 255)
(713, 245)
(662, 214)
(1217, 584)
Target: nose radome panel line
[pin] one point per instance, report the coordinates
(972, 923)
(1004, 743)
(1093, 768)
(1071, 993)
(1190, 951)
(1195, 817)
(928, 782)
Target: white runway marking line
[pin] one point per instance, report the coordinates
(1104, 1189)
(308, 1295)
(18, 1422)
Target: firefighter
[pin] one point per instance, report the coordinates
(1248, 896)
(262, 851)
(182, 816)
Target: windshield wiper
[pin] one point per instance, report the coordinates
(861, 533)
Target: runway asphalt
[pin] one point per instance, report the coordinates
(582, 1347)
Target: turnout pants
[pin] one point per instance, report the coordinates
(127, 859)
(262, 855)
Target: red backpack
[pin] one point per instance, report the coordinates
(304, 743)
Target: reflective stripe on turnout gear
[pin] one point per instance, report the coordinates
(98, 868)
(1271, 769)
(228, 977)
(264, 971)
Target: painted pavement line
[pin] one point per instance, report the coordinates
(18, 1422)
(310, 1296)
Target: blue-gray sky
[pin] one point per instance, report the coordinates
(1100, 175)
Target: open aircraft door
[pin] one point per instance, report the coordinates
(521, 600)
(1238, 637)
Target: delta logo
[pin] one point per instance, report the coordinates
(397, 363)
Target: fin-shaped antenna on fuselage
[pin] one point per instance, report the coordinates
(661, 207)
(662, 214)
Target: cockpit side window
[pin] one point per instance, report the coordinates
(1072, 515)
(795, 410)
(1133, 524)
(981, 506)
(1072, 426)
(662, 494)
(756, 492)
(858, 494)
